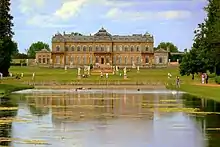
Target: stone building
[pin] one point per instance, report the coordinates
(103, 49)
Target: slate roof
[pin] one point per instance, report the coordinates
(102, 35)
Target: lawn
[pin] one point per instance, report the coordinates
(147, 76)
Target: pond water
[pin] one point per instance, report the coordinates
(111, 118)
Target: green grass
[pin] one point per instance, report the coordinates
(149, 76)
(6, 89)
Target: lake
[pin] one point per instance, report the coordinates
(108, 118)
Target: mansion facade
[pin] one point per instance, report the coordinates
(76, 50)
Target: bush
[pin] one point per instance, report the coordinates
(18, 64)
(91, 66)
(212, 75)
(217, 79)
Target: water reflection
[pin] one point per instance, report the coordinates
(111, 119)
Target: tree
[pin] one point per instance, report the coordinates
(6, 43)
(212, 34)
(31, 52)
(166, 45)
(15, 49)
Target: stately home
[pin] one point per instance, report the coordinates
(103, 49)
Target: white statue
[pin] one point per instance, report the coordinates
(22, 74)
(138, 68)
(65, 68)
(106, 75)
(116, 68)
(133, 64)
(88, 70)
(27, 62)
(79, 71)
(10, 74)
(125, 71)
(33, 75)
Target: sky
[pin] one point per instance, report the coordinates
(167, 20)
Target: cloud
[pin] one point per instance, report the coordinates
(118, 14)
(69, 9)
(27, 6)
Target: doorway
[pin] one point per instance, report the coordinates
(102, 60)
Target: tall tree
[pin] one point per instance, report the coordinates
(166, 45)
(212, 34)
(6, 45)
(31, 52)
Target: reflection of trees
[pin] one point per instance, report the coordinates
(208, 121)
(38, 110)
(5, 129)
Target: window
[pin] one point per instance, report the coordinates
(114, 60)
(138, 48)
(117, 48)
(57, 48)
(132, 60)
(146, 60)
(97, 60)
(90, 58)
(119, 60)
(132, 48)
(84, 48)
(138, 60)
(72, 59)
(78, 48)
(73, 48)
(66, 48)
(160, 60)
(57, 59)
(102, 48)
(90, 48)
(78, 60)
(48, 60)
(120, 48)
(67, 59)
(108, 49)
(107, 60)
(97, 48)
(126, 48)
(125, 60)
(84, 60)
(146, 48)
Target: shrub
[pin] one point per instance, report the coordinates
(91, 66)
(212, 75)
(217, 79)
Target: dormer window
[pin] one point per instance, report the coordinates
(57, 48)
(66, 48)
(78, 48)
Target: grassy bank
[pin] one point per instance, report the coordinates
(201, 91)
(6, 89)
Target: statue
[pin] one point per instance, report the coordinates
(88, 70)
(79, 71)
(125, 73)
(133, 64)
(138, 69)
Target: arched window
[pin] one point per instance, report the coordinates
(57, 48)
(146, 48)
(132, 48)
(90, 48)
(97, 60)
(78, 48)
(84, 48)
(66, 48)
(126, 48)
(73, 48)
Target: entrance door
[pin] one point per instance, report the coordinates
(102, 60)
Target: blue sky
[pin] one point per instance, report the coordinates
(167, 20)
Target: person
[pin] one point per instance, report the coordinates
(203, 78)
(177, 82)
(207, 78)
